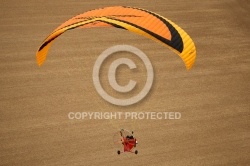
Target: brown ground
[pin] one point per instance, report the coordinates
(214, 97)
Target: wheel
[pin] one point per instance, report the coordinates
(118, 152)
(136, 152)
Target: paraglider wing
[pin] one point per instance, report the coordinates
(140, 21)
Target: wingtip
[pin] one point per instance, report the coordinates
(39, 62)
